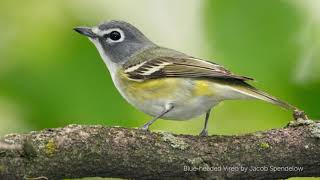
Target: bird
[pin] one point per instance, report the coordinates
(165, 83)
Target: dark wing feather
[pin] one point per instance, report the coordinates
(187, 67)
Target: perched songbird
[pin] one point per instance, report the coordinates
(165, 83)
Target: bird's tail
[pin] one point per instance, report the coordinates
(256, 93)
(266, 97)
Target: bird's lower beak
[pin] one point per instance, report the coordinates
(85, 31)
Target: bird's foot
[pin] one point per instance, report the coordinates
(145, 127)
(204, 132)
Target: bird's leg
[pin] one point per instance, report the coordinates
(204, 131)
(167, 109)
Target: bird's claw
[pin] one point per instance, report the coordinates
(144, 127)
(204, 132)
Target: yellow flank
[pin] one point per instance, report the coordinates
(202, 88)
(150, 89)
(163, 88)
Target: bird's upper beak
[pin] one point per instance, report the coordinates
(85, 31)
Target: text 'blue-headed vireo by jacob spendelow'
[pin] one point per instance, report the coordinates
(165, 83)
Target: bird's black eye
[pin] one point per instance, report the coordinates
(114, 35)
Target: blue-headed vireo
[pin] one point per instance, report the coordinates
(165, 83)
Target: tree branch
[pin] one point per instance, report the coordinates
(86, 151)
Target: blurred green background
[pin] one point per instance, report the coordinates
(51, 76)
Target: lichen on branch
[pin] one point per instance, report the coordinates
(77, 151)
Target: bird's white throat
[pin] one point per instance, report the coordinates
(112, 67)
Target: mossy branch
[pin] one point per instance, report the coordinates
(87, 151)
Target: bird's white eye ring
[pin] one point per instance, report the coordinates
(114, 35)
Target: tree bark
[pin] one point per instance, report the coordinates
(97, 151)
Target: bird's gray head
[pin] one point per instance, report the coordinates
(116, 40)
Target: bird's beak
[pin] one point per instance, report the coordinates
(85, 31)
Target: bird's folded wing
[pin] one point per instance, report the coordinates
(187, 67)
